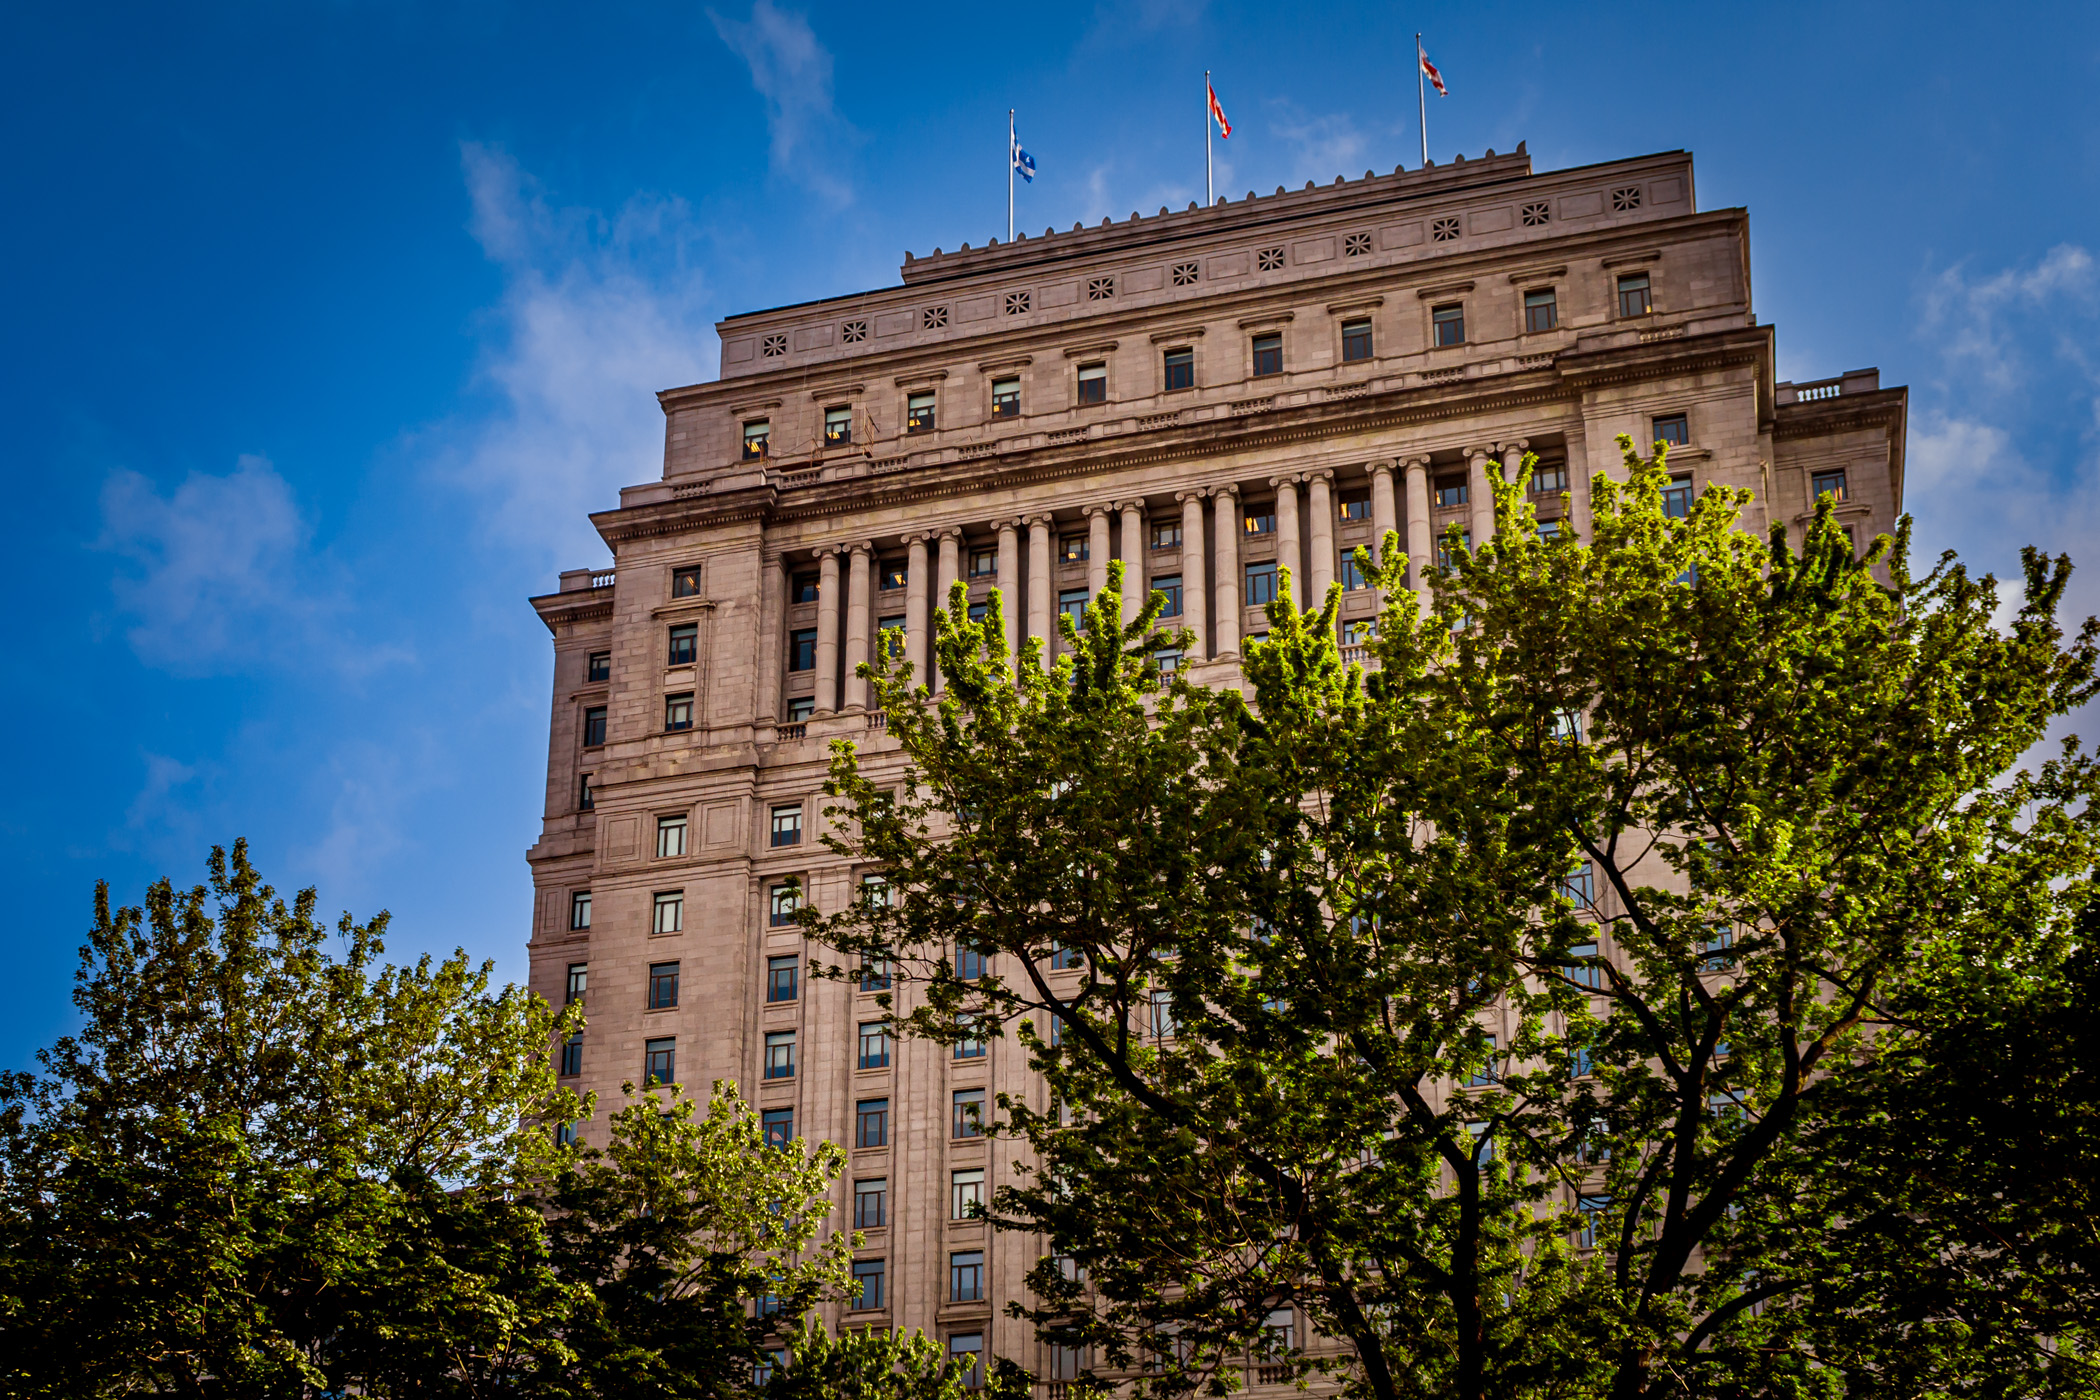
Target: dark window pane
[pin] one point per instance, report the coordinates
(1181, 369)
(804, 587)
(838, 426)
(663, 985)
(871, 1204)
(802, 650)
(1633, 295)
(967, 1114)
(685, 583)
(660, 1061)
(874, 1045)
(1673, 428)
(871, 1123)
(1354, 505)
(1268, 354)
(966, 1276)
(594, 726)
(780, 1055)
(1170, 585)
(778, 1125)
(1356, 341)
(1449, 325)
(1006, 398)
(867, 1283)
(572, 1054)
(1541, 310)
(783, 977)
(1451, 491)
(1093, 383)
(600, 668)
(1261, 584)
(678, 711)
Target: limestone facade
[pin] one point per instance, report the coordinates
(1201, 394)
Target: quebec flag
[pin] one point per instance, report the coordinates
(1024, 163)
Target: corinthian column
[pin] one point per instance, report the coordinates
(827, 630)
(858, 566)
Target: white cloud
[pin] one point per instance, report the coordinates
(1986, 327)
(1321, 147)
(792, 71)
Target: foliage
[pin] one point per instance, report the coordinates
(1491, 1008)
(876, 1365)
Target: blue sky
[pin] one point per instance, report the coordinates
(325, 324)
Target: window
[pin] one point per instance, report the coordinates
(775, 1359)
(918, 413)
(1831, 484)
(895, 574)
(871, 1203)
(871, 1123)
(1170, 585)
(787, 825)
(867, 1284)
(1677, 497)
(1163, 1024)
(972, 1044)
(1549, 479)
(783, 978)
(1580, 884)
(874, 1045)
(1166, 661)
(1447, 553)
(599, 667)
(1589, 1214)
(786, 900)
(1268, 354)
(968, 1348)
(594, 726)
(891, 629)
(1359, 632)
(966, 1114)
(670, 836)
(1166, 535)
(965, 1194)
(875, 891)
(838, 426)
(564, 1134)
(1006, 398)
(670, 911)
(780, 1054)
(778, 1126)
(572, 1055)
(1447, 325)
(1259, 520)
(1352, 577)
(984, 563)
(1185, 274)
(874, 974)
(1181, 369)
(1093, 384)
(1443, 230)
(1279, 1334)
(1072, 549)
(970, 963)
(1063, 959)
(663, 986)
(1590, 975)
(1673, 428)
(586, 799)
(1356, 245)
(1066, 1362)
(1488, 1072)
(966, 1276)
(1356, 341)
(1261, 584)
(802, 649)
(1718, 958)
(580, 909)
(1072, 603)
(1537, 214)
(579, 979)
(1549, 529)
(803, 587)
(773, 346)
(1541, 310)
(757, 433)
(801, 708)
(1483, 1145)
(678, 711)
(1354, 505)
(1633, 295)
(660, 1061)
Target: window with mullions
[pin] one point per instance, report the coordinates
(1170, 586)
(1579, 884)
(972, 1044)
(1093, 384)
(1447, 325)
(670, 912)
(783, 979)
(780, 1054)
(1633, 295)
(1718, 957)
(875, 975)
(1677, 497)
(1163, 1023)
(1063, 959)
(785, 900)
(678, 712)
(966, 1114)
(594, 726)
(968, 1348)
(1073, 549)
(684, 645)
(891, 630)
(838, 426)
(966, 1194)
(1268, 355)
(801, 708)
(572, 1055)
(1830, 483)
(874, 1045)
(660, 1061)
(580, 910)
(966, 1276)
(1353, 504)
(1447, 551)
(1072, 603)
(1260, 584)
(1451, 491)
(802, 649)
(1673, 428)
(871, 1203)
(918, 413)
(1180, 367)
(984, 563)
(1589, 1219)
(804, 588)
(579, 980)
(787, 825)
(1549, 479)
(777, 1125)
(1259, 520)
(1356, 341)
(663, 986)
(970, 963)
(1541, 310)
(1006, 398)
(1590, 975)
(867, 1285)
(599, 665)
(895, 573)
(871, 1123)
(1351, 576)
(1488, 1073)
(586, 797)
(1166, 534)
(757, 434)
(670, 836)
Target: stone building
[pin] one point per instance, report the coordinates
(1208, 395)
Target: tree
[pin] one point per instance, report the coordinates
(873, 1365)
(1483, 1008)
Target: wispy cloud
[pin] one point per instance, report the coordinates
(1320, 147)
(792, 71)
(1986, 326)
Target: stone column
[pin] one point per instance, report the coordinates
(1319, 565)
(917, 626)
(1010, 595)
(944, 577)
(1579, 487)
(1096, 549)
(1039, 599)
(1289, 554)
(772, 636)
(1133, 513)
(1513, 459)
(859, 565)
(1419, 542)
(1385, 511)
(1225, 626)
(1479, 497)
(1192, 597)
(827, 630)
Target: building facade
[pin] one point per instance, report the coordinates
(1211, 396)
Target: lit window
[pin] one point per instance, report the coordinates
(1268, 354)
(1633, 295)
(757, 433)
(838, 426)
(1448, 325)
(599, 667)
(678, 711)
(594, 726)
(1006, 398)
(804, 587)
(1354, 505)
(580, 909)
(1072, 549)
(874, 1045)
(1541, 310)
(670, 836)
(780, 1055)
(685, 583)
(663, 986)
(787, 825)
(1356, 341)
(1093, 384)
(918, 413)
(1169, 585)
(1831, 484)
(783, 978)
(871, 1123)
(660, 1061)
(1451, 491)
(1673, 428)
(965, 1194)
(670, 912)
(871, 1203)
(867, 1283)
(1180, 369)
(1259, 520)
(895, 574)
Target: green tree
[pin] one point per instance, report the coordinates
(1484, 1009)
(879, 1365)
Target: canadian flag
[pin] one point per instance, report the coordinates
(1218, 113)
(1436, 79)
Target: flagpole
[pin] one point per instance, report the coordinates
(1422, 101)
(1009, 174)
(1208, 197)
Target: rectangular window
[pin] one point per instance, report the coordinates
(838, 426)
(663, 986)
(1673, 428)
(599, 667)
(1093, 384)
(1072, 549)
(1589, 1215)
(871, 1123)
(966, 1114)
(874, 1045)
(1063, 959)
(1451, 491)
(867, 1284)
(969, 963)
(1580, 884)
(1352, 577)
(660, 1061)
(780, 1054)
(871, 1203)
(1162, 1014)
(802, 649)
(1353, 505)
(1166, 661)
(783, 978)
(1541, 310)
(786, 899)
(778, 1126)
(670, 912)
(1268, 354)
(803, 588)
(787, 825)
(918, 413)
(894, 574)
(594, 726)
(1487, 1073)
(1181, 369)
(678, 711)
(891, 630)
(572, 1055)
(1633, 295)
(972, 1044)
(1718, 958)
(1831, 484)
(1549, 479)
(564, 1134)
(984, 563)
(801, 708)
(1006, 398)
(968, 1348)
(757, 433)
(1261, 584)
(1447, 325)
(670, 836)
(1259, 520)
(1279, 1332)
(580, 909)
(586, 799)
(875, 891)
(965, 1194)
(1356, 341)
(1170, 585)
(1549, 529)
(1072, 603)
(966, 1276)
(1066, 1362)
(685, 583)
(1166, 534)
(874, 974)
(579, 980)
(1677, 497)
(1587, 975)
(1447, 554)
